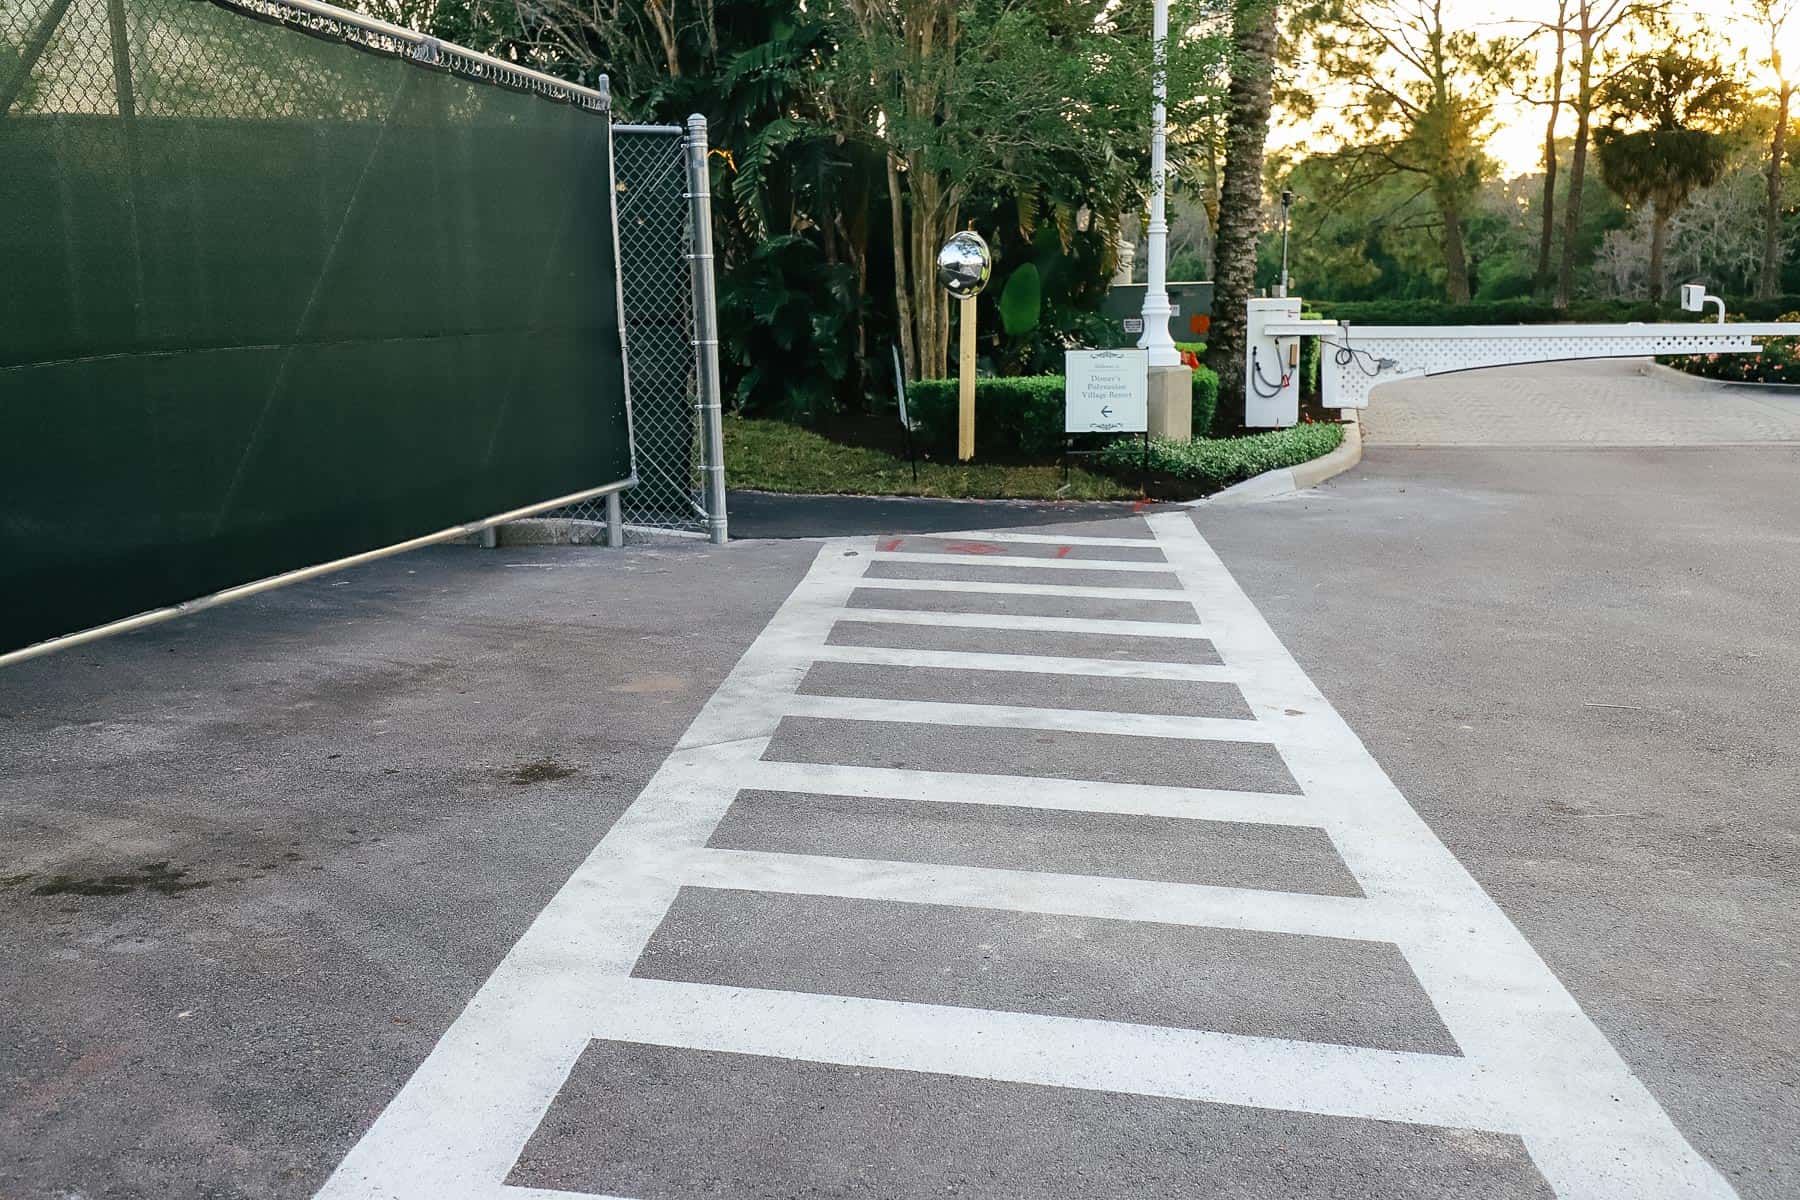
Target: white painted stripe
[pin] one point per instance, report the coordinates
(1592, 1128)
(1008, 716)
(1145, 1060)
(1536, 1065)
(965, 587)
(1034, 539)
(458, 1125)
(1304, 914)
(1013, 621)
(1036, 664)
(1016, 791)
(1021, 560)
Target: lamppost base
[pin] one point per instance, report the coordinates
(1171, 403)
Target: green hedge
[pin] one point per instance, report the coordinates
(1203, 466)
(1206, 399)
(1015, 417)
(1528, 312)
(1020, 417)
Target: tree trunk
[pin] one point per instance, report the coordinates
(1456, 260)
(1659, 237)
(909, 354)
(934, 218)
(1547, 230)
(929, 31)
(1240, 198)
(1768, 280)
(1584, 109)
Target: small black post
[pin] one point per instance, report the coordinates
(905, 417)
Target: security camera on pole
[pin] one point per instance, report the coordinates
(964, 266)
(1171, 384)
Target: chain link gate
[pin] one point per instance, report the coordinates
(670, 332)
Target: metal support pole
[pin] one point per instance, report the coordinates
(1287, 207)
(706, 329)
(615, 521)
(12, 86)
(1281, 287)
(1157, 309)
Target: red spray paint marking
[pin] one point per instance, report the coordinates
(889, 544)
(1139, 505)
(973, 548)
(1062, 551)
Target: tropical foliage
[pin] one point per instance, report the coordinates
(852, 136)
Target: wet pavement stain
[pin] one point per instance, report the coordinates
(540, 770)
(157, 877)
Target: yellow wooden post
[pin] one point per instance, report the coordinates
(963, 267)
(965, 387)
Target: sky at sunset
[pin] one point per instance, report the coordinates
(1518, 141)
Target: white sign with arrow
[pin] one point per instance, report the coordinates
(1105, 391)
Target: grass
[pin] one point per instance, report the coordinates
(773, 456)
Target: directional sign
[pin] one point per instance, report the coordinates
(1105, 391)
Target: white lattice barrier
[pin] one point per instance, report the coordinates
(1357, 359)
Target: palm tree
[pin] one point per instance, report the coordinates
(1240, 196)
(1664, 137)
(1772, 15)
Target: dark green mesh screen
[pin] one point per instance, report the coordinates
(269, 299)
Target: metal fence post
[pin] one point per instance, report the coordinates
(706, 327)
(615, 521)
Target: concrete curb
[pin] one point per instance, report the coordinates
(1285, 481)
(1652, 367)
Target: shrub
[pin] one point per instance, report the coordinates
(1016, 417)
(1200, 467)
(1021, 417)
(1779, 361)
(1206, 398)
(1500, 312)
(1311, 350)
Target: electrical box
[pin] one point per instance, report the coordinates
(1271, 366)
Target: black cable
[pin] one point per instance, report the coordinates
(1258, 382)
(1344, 354)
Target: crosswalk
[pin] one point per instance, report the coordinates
(936, 620)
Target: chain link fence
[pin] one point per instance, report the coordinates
(670, 426)
(96, 60)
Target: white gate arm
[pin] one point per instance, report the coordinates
(1355, 359)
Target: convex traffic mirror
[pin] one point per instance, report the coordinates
(965, 264)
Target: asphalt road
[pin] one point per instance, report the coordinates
(1149, 924)
(773, 515)
(1581, 667)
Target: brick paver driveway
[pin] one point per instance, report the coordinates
(1622, 402)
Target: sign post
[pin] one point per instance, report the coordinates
(965, 379)
(1105, 391)
(964, 266)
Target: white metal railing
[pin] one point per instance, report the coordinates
(1356, 359)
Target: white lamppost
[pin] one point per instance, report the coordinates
(1156, 341)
